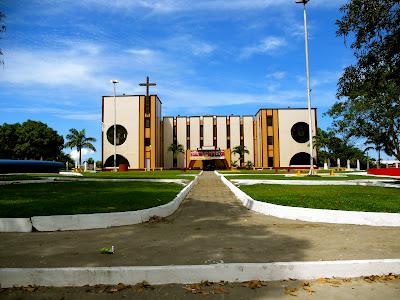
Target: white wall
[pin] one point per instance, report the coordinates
(235, 134)
(221, 133)
(194, 133)
(181, 139)
(287, 145)
(208, 131)
(248, 138)
(127, 116)
(168, 128)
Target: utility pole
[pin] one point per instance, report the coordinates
(312, 171)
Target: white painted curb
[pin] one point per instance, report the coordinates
(232, 272)
(375, 183)
(312, 214)
(15, 225)
(106, 220)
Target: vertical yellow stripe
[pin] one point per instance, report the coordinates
(264, 138)
(276, 138)
(153, 140)
(141, 131)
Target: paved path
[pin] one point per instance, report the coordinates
(211, 226)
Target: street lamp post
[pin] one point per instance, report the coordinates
(114, 82)
(311, 172)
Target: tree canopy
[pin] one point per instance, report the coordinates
(79, 140)
(369, 90)
(330, 146)
(30, 140)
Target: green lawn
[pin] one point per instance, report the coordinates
(356, 198)
(18, 177)
(167, 174)
(267, 171)
(41, 199)
(283, 177)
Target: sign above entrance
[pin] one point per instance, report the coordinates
(207, 155)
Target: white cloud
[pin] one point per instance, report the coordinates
(268, 45)
(277, 75)
(187, 44)
(85, 154)
(178, 98)
(68, 114)
(176, 6)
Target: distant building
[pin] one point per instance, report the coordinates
(273, 137)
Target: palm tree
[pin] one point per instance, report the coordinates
(241, 151)
(77, 139)
(175, 149)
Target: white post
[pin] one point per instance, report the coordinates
(114, 82)
(311, 172)
(85, 166)
(358, 165)
(348, 165)
(66, 165)
(325, 165)
(338, 162)
(115, 130)
(396, 165)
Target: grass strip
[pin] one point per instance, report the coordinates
(353, 198)
(64, 198)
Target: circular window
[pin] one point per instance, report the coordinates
(300, 158)
(120, 160)
(121, 135)
(300, 132)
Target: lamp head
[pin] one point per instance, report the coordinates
(302, 1)
(114, 81)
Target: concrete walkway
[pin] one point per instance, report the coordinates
(211, 226)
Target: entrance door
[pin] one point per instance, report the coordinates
(208, 165)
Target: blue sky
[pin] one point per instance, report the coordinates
(207, 57)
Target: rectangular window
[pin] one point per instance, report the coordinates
(188, 144)
(228, 130)
(228, 144)
(147, 105)
(147, 141)
(269, 121)
(201, 131)
(270, 140)
(201, 143)
(147, 122)
(214, 131)
(270, 161)
(188, 130)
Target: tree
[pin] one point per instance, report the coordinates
(241, 151)
(330, 146)
(175, 149)
(77, 139)
(369, 91)
(30, 140)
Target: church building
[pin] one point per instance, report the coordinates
(274, 138)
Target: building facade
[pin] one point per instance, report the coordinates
(274, 138)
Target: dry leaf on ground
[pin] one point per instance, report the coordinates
(291, 291)
(253, 284)
(155, 219)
